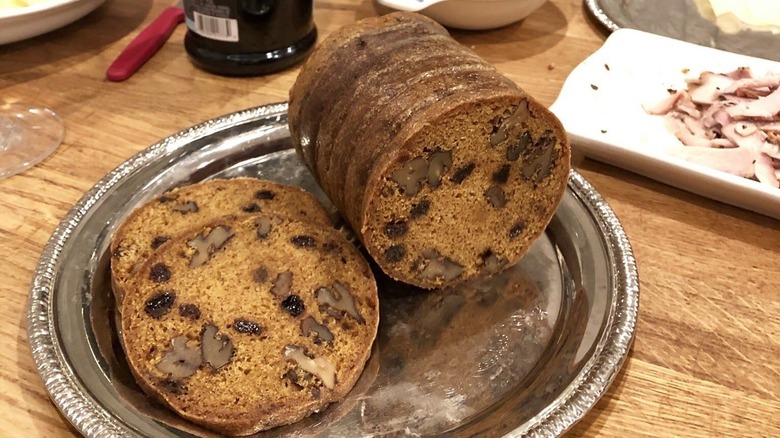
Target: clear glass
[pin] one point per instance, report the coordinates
(28, 134)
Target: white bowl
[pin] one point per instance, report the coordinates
(21, 23)
(469, 14)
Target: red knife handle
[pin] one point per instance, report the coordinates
(146, 44)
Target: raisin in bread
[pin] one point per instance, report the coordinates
(185, 207)
(445, 169)
(251, 323)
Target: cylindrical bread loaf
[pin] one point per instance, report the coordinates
(445, 169)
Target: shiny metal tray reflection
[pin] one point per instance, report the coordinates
(529, 351)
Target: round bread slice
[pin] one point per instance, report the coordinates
(247, 324)
(190, 206)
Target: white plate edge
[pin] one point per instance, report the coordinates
(34, 9)
(32, 21)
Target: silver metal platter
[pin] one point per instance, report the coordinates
(527, 352)
(684, 20)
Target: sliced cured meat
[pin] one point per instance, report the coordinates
(729, 122)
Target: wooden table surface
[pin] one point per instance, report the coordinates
(705, 359)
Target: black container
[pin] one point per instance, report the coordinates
(248, 37)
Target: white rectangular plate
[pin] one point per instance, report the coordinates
(601, 107)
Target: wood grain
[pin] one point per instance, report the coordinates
(705, 360)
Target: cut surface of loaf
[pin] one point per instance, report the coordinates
(251, 323)
(180, 209)
(445, 168)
